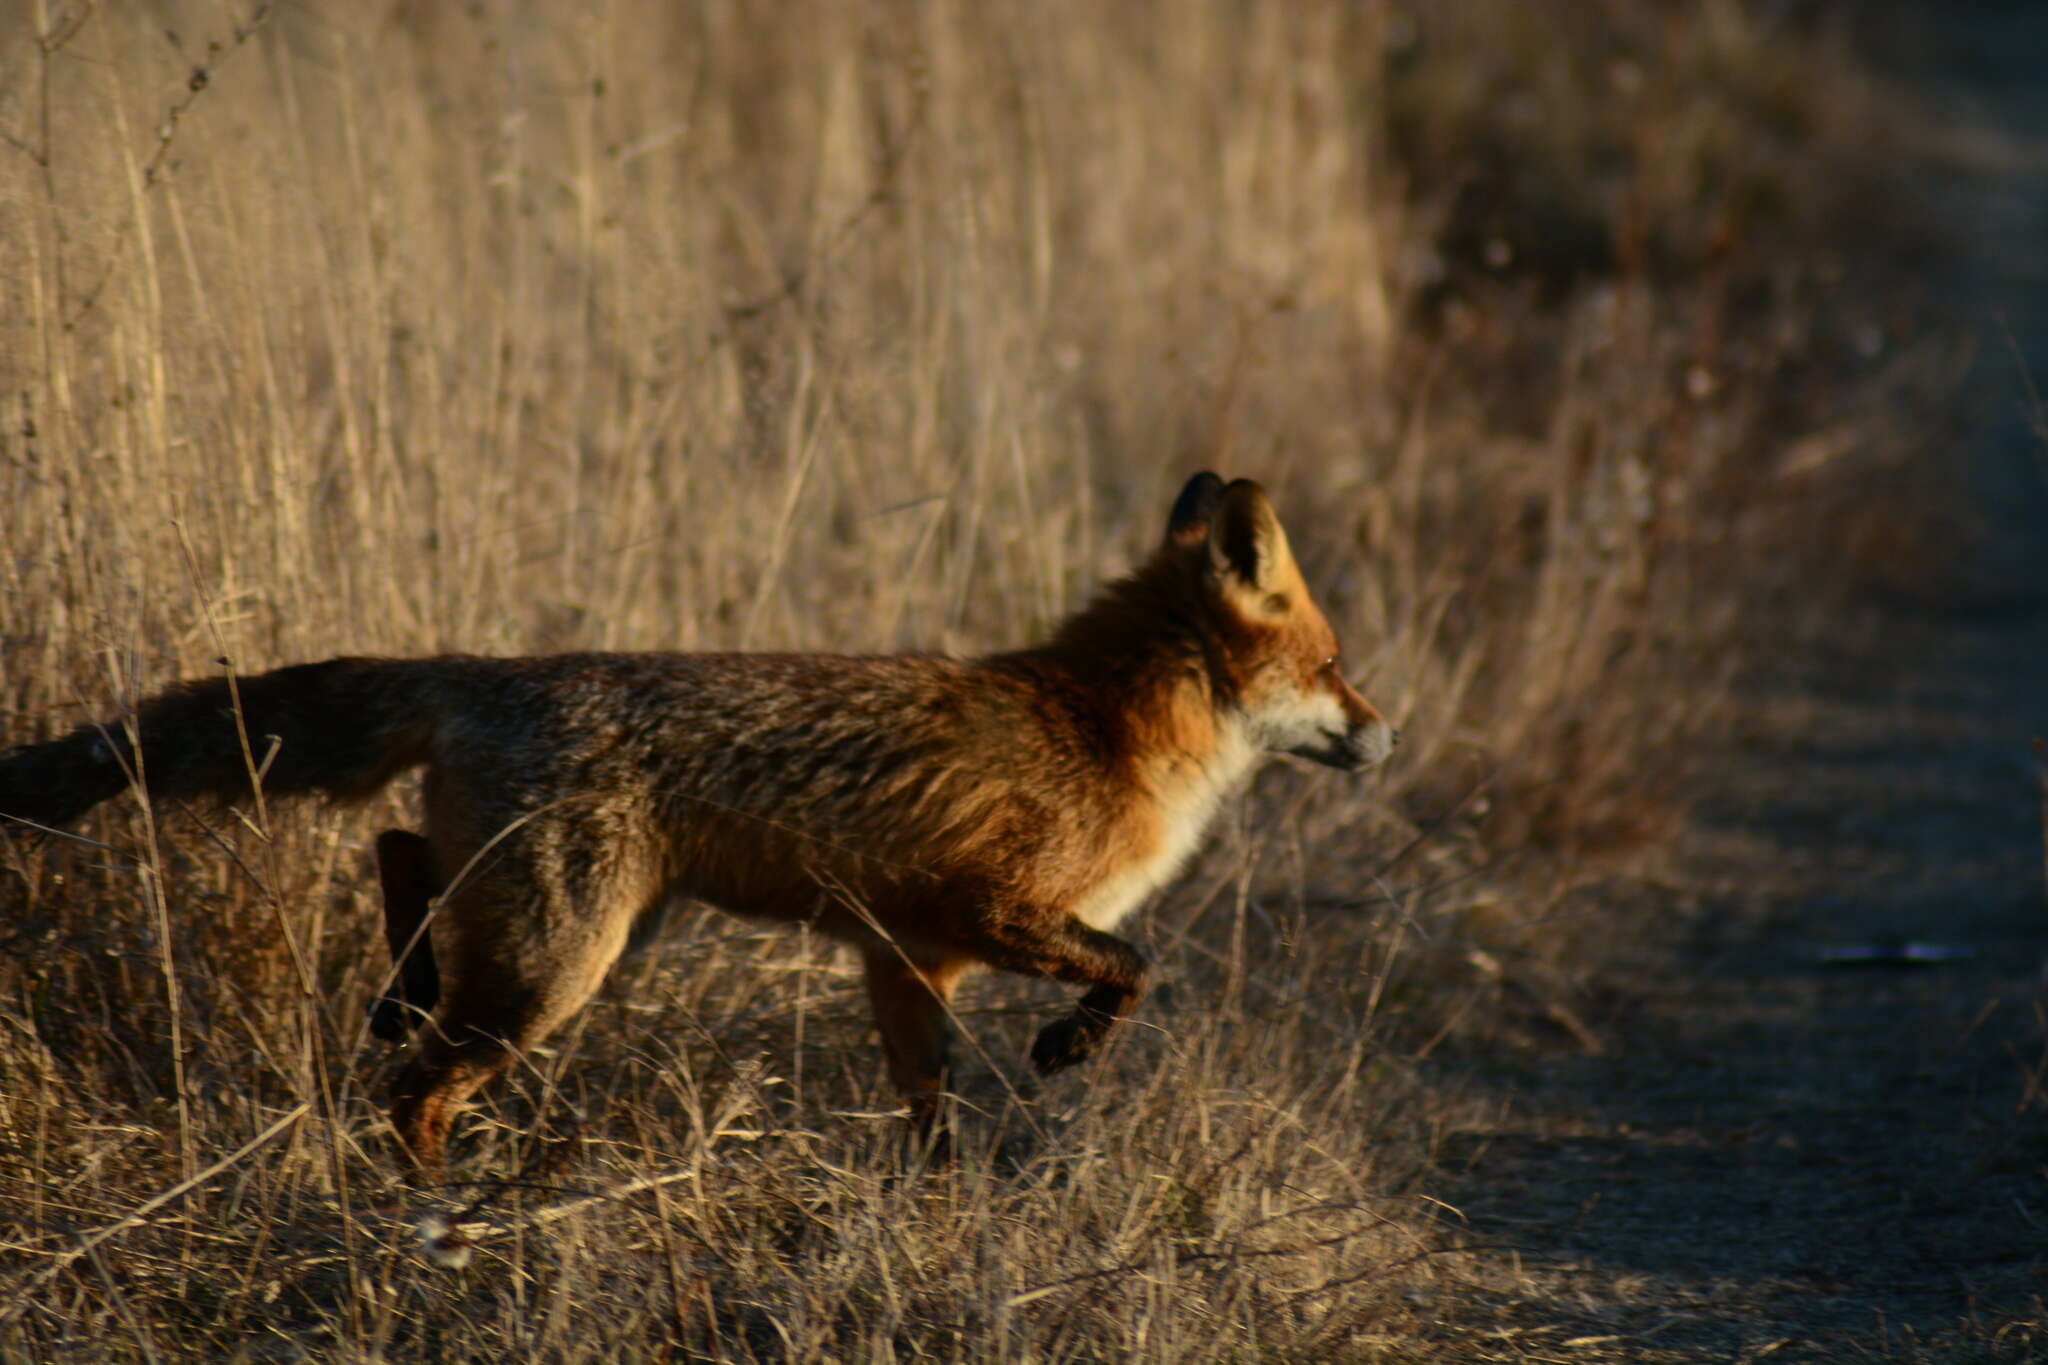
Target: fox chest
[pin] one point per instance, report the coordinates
(1155, 860)
(1112, 900)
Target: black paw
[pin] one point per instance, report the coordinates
(391, 1019)
(1063, 1042)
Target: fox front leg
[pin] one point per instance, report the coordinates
(1062, 947)
(1078, 1036)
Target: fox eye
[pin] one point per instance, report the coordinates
(1333, 664)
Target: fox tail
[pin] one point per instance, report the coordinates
(344, 726)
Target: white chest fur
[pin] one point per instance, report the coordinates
(1188, 800)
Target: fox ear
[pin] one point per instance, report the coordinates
(1246, 542)
(1194, 510)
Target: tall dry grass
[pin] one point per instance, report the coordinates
(511, 328)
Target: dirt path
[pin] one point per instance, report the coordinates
(1782, 1158)
(1780, 1150)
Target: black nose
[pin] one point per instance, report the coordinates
(1397, 737)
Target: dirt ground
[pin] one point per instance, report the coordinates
(1776, 1152)
(1783, 1152)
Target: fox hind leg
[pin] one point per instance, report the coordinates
(522, 958)
(910, 1000)
(405, 866)
(452, 1065)
(486, 1023)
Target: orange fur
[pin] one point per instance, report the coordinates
(937, 814)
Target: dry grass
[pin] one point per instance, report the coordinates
(865, 327)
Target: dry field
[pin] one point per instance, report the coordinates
(1566, 336)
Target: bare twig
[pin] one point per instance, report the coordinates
(197, 82)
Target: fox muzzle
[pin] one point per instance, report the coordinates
(1350, 750)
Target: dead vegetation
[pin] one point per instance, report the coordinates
(867, 327)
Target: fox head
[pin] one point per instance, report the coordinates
(1277, 656)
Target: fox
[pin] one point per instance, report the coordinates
(940, 815)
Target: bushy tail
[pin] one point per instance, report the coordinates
(345, 727)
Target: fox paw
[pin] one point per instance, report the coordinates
(1063, 1042)
(390, 1020)
(393, 1017)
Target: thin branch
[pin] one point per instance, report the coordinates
(153, 170)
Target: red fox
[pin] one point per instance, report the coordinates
(936, 814)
